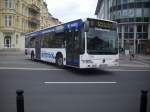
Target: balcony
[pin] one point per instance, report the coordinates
(34, 20)
(35, 9)
(6, 11)
(7, 29)
(33, 23)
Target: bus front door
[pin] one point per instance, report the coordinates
(38, 49)
(72, 48)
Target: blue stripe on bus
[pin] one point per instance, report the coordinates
(47, 55)
(59, 28)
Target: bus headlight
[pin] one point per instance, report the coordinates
(87, 61)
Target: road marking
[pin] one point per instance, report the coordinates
(80, 82)
(19, 68)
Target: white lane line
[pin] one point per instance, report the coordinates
(19, 68)
(80, 82)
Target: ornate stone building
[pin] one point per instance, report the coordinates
(18, 17)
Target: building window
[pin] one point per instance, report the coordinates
(131, 19)
(118, 2)
(146, 12)
(120, 35)
(138, 12)
(124, 1)
(8, 21)
(145, 28)
(130, 1)
(142, 31)
(126, 28)
(139, 28)
(110, 2)
(146, 4)
(131, 28)
(138, 5)
(139, 35)
(114, 3)
(138, 0)
(138, 19)
(125, 6)
(146, 19)
(131, 35)
(126, 35)
(120, 29)
(131, 5)
(8, 3)
(145, 35)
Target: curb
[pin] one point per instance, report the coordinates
(126, 65)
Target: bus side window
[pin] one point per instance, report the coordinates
(76, 40)
(32, 42)
(27, 42)
(81, 40)
(59, 40)
(76, 34)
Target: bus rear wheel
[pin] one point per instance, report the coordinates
(32, 56)
(59, 61)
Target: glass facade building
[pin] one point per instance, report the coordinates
(133, 17)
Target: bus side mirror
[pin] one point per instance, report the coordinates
(86, 26)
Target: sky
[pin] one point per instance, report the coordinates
(68, 10)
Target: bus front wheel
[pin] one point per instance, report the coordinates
(59, 61)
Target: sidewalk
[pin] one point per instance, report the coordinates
(138, 61)
(144, 57)
(11, 52)
(137, 57)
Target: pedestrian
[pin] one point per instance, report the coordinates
(131, 53)
(147, 51)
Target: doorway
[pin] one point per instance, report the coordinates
(7, 42)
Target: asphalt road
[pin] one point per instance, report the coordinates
(48, 88)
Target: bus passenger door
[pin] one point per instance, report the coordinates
(72, 47)
(38, 49)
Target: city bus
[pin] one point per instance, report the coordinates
(88, 43)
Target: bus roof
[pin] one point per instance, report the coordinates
(60, 27)
(56, 28)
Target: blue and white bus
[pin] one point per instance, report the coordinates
(88, 43)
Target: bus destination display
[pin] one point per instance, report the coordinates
(101, 24)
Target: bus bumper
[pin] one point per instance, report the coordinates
(99, 64)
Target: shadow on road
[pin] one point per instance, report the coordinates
(88, 72)
(77, 71)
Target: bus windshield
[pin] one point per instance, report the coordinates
(102, 41)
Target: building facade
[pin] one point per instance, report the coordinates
(46, 18)
(133, 17)
(18, 17)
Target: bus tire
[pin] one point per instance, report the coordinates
(32, 56)
(59, 61)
